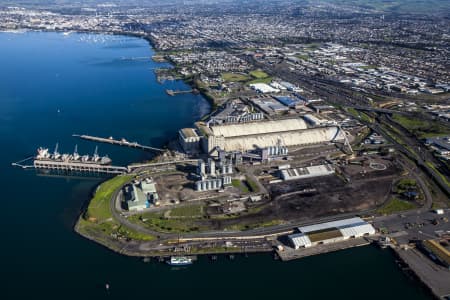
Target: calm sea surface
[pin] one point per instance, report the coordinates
(52, 86)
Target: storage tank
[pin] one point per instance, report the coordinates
(230, 169)
(212, 167)
(204, 186)
(198, 185)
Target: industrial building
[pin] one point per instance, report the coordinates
(269, 105)
(189, 140)
(263, 88)
(440, 145)
(316, 120)
(141, 195)
(263, 134)
(290, 101)
(330, 232)
(235, 112)
(212, 184)
(308, 172)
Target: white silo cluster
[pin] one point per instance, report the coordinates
(212, 184)
(227, 168)
(201, 167)
(277, 150)
(211, 167)
(209, 184)
(204, 169)
(226, 180)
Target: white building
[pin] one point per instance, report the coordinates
(308, 172)
(189, 140)
(263, 134)
(264, 88)
(330, 232)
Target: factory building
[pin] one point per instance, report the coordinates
(315, 120)
(308, 172)
(189, 140)
(263, 134)
(330, 232)
(141, 195)
(263, 88)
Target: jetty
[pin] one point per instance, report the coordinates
(70, 166)
(122, 142)
(79, 167)
(178, 92)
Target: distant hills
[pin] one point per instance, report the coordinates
(396, 6)
(441, 7)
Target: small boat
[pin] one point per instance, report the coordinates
(179, 261)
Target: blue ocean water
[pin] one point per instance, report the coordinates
(53, 85)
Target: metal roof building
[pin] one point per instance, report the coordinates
(330, 232)
(353, 227)
(308, 172)
(300, 240)
(262, 134)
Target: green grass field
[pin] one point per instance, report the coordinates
(421, 128)
(235, 77)
(395, 205)
(189, 211)
(157, 222)
(266, 80)
(240, 185)
(243, 226)
(98, 221)
(258, 74)
(439, 173)
(98, 208)
(405, 184)
(252, 185)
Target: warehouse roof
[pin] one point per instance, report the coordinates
(348, 227)
(300, 240)
(259, 127)
(189, 132)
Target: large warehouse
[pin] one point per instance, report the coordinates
(243, 137)
(330, 232)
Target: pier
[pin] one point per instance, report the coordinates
(79, 167)
(178, 92)
(70, 166)
(289, 253)
(122, 142)
(433, 276)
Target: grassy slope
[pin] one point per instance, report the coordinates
(395, 205)
(98, 221)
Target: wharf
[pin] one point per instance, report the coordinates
(290, 253)
(121, 142)
(79, 167)
(176, 92)
(435, 277)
